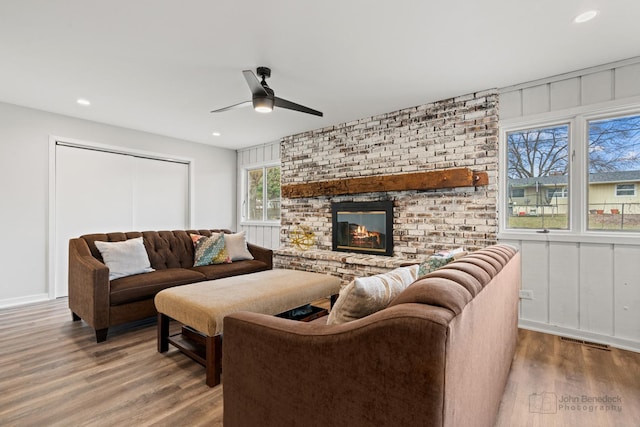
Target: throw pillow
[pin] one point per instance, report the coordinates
(125, 258)
(209, 250)
(366, 295)
(237, 246)
(438, 260)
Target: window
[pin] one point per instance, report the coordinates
(598, 154)
(556, 192)
(263, 194)
(516, 193)
(537, 175)
(614, 160)
(625, 190)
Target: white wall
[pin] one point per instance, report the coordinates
(584, 286)
(267, 236)
(24, 186)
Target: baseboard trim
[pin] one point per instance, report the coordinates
(621, 343)
(13, 302)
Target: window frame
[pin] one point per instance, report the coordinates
(578, 120)
(244, 206)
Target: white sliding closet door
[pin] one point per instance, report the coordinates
(101, 192)
(160, 195)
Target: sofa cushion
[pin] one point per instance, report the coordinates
(366, 295)
(142, 286)
(209, 250)
(219, 271)
(125, 258)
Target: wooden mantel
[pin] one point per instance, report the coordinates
(431, 180)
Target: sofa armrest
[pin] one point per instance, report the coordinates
(88, 285)
(261, 254)
(366, 372)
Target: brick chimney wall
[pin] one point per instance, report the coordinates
(453, 133)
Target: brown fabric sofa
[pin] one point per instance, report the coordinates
(438, 355)
(103, 303)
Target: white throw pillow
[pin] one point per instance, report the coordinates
(125, 258)
(366, 295)
(237, 246)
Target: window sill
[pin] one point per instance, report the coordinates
(261, 223)
(621, 238)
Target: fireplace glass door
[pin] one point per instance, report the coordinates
(364, 227)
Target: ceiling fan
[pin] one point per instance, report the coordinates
(263, 97)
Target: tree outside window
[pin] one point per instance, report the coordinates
(263, 201)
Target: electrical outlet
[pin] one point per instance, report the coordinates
(526, 294)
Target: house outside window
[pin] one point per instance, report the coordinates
(262, 196)
(597, 153)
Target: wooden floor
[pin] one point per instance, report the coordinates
(52, 373)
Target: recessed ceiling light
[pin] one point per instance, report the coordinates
(82, 101)
(216, 134)
(585, 16)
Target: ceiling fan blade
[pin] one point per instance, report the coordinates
(233, 107)
(254, 83)
(283, 103)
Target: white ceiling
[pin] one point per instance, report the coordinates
(161, 65)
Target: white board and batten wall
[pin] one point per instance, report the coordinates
(584, 285)
(263, 234)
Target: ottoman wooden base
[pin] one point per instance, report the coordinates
(205, 350)
(202, 306)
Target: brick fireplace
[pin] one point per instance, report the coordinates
(453, 133)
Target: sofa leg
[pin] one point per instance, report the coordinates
(75, 317)
(101, 334)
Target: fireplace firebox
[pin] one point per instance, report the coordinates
(364, 227)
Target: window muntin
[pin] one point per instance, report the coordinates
(537, 163)
(263, 194)
(613, 161)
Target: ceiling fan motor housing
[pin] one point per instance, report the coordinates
(264, 72)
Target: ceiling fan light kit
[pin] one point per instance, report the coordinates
(263, 97)
(263, 104)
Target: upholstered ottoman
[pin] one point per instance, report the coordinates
(202, 306)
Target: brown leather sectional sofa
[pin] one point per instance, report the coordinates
(438, 355)
(103, 303)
